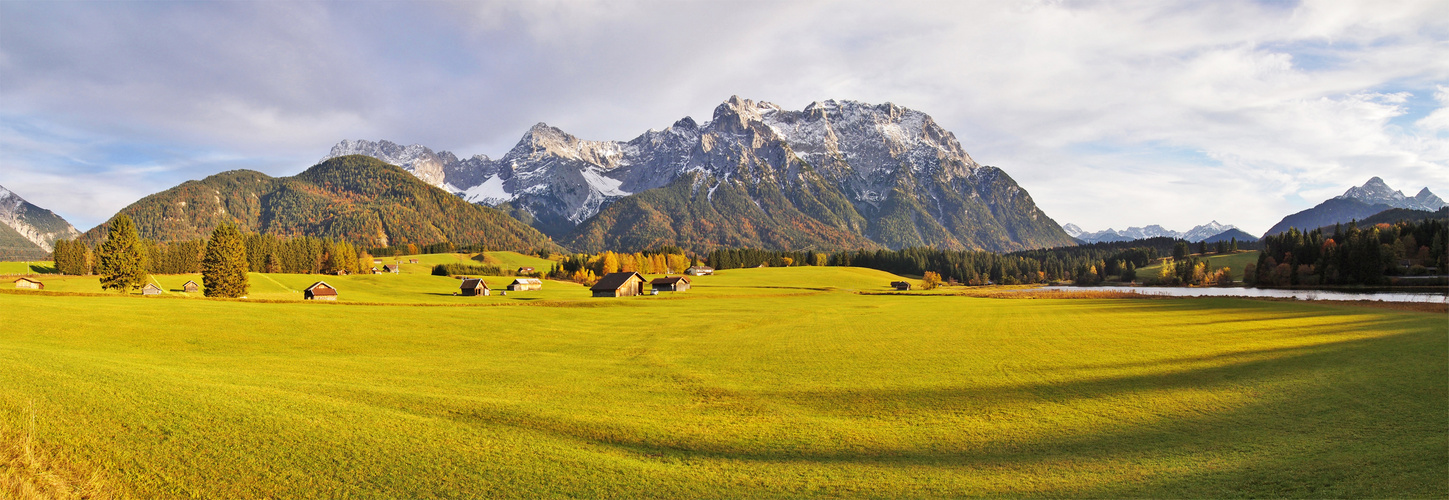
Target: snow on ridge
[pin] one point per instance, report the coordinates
(490, 192)
(603, 185)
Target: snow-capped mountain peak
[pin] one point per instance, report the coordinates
(1377, 192)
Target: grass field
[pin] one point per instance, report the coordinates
(1236, 263)
(757, 383)
(27, 267)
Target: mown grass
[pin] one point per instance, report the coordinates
(45, 267)
(725, 393)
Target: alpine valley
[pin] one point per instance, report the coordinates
(837, 175)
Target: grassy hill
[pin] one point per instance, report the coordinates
(354, 198)
(1236, 262)
(771, 382)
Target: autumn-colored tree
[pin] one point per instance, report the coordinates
(930, 281)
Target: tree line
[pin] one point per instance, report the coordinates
(1351, 255)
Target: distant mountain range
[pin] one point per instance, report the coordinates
(836, 175)
(356, 198)
(28, 232)
(1210, 232)
(1358, 203)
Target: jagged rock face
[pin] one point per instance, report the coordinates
(1357, 203)
(885, 172)
(37, 226)
(1197, 233)
(1377, 192)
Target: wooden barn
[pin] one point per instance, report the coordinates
(901, 285)
(151, 289)
(525, 270)
(190, 287)
(390, 269)
(412, 261)
(473, 287)
(376, 271)
(619, 285)
(320, 291)
(29, 284)
(670, 284)
(525, 285)
(699, 270)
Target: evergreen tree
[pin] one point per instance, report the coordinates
(224, 270)
(119, 260)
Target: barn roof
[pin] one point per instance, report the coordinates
(473, 283)
(152, 285)
(27, 279)
(527, 281)
(701, 268)
(322, 288)
(190, 282)
(613, 281)
(669, 280)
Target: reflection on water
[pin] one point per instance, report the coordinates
(1430, 297)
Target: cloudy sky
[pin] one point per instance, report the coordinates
(1110, 113)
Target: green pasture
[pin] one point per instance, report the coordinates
(45, 267)
(759, 383)
(1236, 262)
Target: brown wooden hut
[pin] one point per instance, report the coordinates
(525, 285)
(151, 289)
(320, 291)
(29, 284)
(525, 270)
(901, 285)
(619, 285)
(412, 261)
(699, 270)
(670, 284)
(390, 269)
(190, 287)
(473, 287)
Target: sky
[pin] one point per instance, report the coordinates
(1110, 113)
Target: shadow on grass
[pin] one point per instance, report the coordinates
(1352, 418)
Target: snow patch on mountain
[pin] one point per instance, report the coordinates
(490, 192)
(1197, 233)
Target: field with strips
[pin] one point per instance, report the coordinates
(779, 382)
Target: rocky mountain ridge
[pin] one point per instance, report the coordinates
(1358, 203)
(29, 231)
(832, 175)
(1197, 233)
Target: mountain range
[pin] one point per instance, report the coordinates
(1358, 203)
(836, 175)
(1202, 232)
(355, 198)
(28, 232)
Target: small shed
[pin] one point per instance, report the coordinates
(390, 269)
(412, 261)
(525, 270)
(151, 289)
(190, 287)
(376, 271)
(376, 261)
(525, 285)
(619, 285)
(473, 287)
(901, 285)
(320, 291)
(29, 284)
(670, 284)
(699, 270)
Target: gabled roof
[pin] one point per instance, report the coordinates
(322, 288)
(190, 282)
(26, 279)
(701, 268)
(151, 285)
(473, 283)
(527, 281)
(613, 281)
(669, 280)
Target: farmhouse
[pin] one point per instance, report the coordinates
(699, 270)
(473, 287)
(151, 289)
(320, 291)
(670, 284)
(525, 285)
(525, 270)
(619, 285)
(190, 287)
(901, 285)
(28, 283)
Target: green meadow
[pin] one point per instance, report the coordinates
(1235, 262)
(27, 267)
(772, 382)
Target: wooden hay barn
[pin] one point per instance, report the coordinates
(190, 287)
(901, 285)
(412, 261)
(390, 269)
(29, 284)
(699, 270)
(151, 289)
(376, 271)
(525, 285)
(670, 284)
(619, 285)
(473, 287)
(320, 291)
(525, 270)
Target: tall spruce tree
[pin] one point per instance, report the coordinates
(119, 260)
(224, 270)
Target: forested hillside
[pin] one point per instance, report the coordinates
(351, 198)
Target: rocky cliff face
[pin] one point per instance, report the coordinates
(1357, 203)
(836, 174)
(32, 230)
